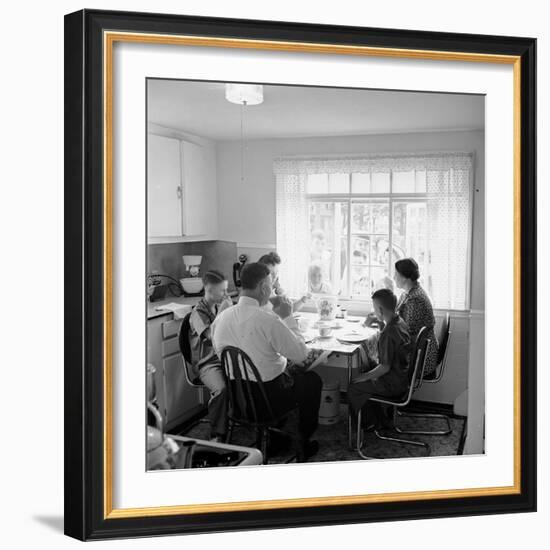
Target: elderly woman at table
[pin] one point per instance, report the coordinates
(389, 377)
(415, 308)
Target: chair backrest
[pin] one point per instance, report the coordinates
(418, 360)
(444, 340)
(183, 337)
(185, 349)
(248, 402)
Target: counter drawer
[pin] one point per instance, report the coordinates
(171, 328)
(170, 346)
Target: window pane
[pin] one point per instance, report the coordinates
(361, 284)
(370, 217)
(360, 183)
(338, 183)
(403, 182)
(369, 246)
(380, 246)
(380, 218)
(381, 279)
(328, 222)
(360, 250)
(317, 183)
(420, 181)
(409, 234)
(380, 182)
(360, 217)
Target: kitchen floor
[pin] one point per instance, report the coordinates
(333, 445)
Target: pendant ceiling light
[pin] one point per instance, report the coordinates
(244, 95)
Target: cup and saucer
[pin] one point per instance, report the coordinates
(325, 331)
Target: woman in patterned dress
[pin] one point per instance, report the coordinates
(415, 308)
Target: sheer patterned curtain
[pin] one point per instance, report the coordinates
(292, 231)
(449, 223)
(447, 193)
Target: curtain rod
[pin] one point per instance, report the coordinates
(335, 156)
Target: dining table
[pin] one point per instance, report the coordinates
(348, 337)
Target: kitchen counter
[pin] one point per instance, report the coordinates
(152, 312)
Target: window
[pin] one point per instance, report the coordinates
(343, 223)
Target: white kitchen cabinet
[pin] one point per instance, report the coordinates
(177, 400)
(199, 196)
(182, 190)
(164, 187)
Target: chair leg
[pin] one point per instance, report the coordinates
(404, 441)
(398, 439)
(229, 431)
(264, 442)
(360, 439)
(443, 417)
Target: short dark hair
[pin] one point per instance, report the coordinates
(386, 297)
(271, 258)
(213, 277)
(408, 268)
(253, 274)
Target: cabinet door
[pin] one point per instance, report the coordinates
(164, 190)
(199, 196)
(154, 356)
(181, 398)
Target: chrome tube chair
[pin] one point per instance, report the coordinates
(433, 379)
(185, 350)
(417, 363)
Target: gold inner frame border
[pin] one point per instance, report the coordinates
(109, 39)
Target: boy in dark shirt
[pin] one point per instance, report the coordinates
(390, 377)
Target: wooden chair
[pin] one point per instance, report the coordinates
(248, 402)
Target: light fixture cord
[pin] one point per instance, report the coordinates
(243, 105)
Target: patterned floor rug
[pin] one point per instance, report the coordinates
(333, 442)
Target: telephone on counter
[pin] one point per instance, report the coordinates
(237, 268)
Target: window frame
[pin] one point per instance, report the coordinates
(350, 198)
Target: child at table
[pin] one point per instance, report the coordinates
(389, 377)
(205, 361)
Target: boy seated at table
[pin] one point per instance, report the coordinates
(206, 363)
(389, 377)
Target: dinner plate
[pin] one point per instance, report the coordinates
(353, 337)
(335, 325)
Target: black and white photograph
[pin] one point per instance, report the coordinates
(315, 278)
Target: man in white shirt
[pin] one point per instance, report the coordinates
(270, 340)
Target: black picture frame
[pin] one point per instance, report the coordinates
(84, 282)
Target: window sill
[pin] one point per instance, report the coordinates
(364, 307)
